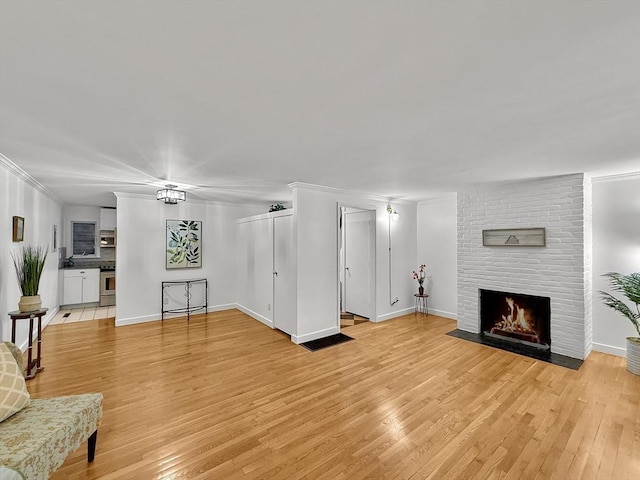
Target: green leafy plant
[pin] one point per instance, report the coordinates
(629, 286)
(29, 262)
(276, 207)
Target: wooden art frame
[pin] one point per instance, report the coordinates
(18, 228)
(514, 237)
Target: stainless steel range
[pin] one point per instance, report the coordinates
(107, 285)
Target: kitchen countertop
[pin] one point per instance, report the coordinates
(89, 264)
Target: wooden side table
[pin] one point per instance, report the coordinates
(421, 303)
(33, 366)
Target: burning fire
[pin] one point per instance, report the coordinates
(517, 320)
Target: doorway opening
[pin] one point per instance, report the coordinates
(356, 265)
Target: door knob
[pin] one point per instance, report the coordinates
(275, 273)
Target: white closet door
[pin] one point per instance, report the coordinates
(356, 274)
(284, 276)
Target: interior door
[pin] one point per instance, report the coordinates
(356, 274)
(284, 275)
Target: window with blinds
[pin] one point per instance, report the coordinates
(83, 235)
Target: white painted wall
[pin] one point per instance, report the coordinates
(40, 211)
(616, 248)
(140, 256)
(316, 223)
(562, 270)
(437, 233)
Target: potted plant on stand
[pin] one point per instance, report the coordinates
(419, 276)
(29, 262)
(629, 286)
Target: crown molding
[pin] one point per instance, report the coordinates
(13, 168)
(341, 191)
(440, 198)
(616, 178)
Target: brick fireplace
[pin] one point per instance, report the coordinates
(559, 271)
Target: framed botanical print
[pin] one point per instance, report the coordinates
(183, 247)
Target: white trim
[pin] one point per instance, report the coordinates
(610, 349)
(616, 178)
(255, 315)
(444, 314)
(442, 198)
(341, 191)
(297, 339)
(265, 216)
(395, 314)
(220, 308)
(121, 322)
(20, 173)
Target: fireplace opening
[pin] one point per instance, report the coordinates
(518, 318)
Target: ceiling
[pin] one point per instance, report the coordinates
(234, 100)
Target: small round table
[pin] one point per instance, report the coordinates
(421, 303)
(31, 364)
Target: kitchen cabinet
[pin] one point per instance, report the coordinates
(81, 286)
(107, 219)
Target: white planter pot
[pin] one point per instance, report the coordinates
(633, 355)
(29, 303)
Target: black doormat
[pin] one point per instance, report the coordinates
(545, 356)
(325, 342)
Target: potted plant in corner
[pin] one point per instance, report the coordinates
(29, 262)
(419, 276)
(629, 286)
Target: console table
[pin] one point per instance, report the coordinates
(188, 308)
(33, 365)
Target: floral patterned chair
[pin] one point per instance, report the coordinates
(36, 440)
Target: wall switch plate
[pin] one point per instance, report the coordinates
(268, 307)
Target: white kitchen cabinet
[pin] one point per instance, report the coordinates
(81, 286)
(107, 219)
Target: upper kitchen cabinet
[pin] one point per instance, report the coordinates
(107, 218)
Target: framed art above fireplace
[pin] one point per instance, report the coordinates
(514, 237)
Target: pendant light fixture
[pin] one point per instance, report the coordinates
(170, 195)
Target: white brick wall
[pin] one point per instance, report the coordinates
(561, 270)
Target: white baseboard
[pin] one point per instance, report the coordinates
(397, 313)
(120, 322)
(610, 349)
(255, 315)
(222, 307)
(443, 313)
(307, 337)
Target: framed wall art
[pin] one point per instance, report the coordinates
(54, 238)
(514, 237)
(18, 228)
(183, 244)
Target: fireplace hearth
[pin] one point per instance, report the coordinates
(516, 318)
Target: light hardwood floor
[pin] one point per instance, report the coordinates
(225, 397)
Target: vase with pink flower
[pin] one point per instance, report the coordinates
(420, 276)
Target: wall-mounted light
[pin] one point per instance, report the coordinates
(393, 215)
(170, 195)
